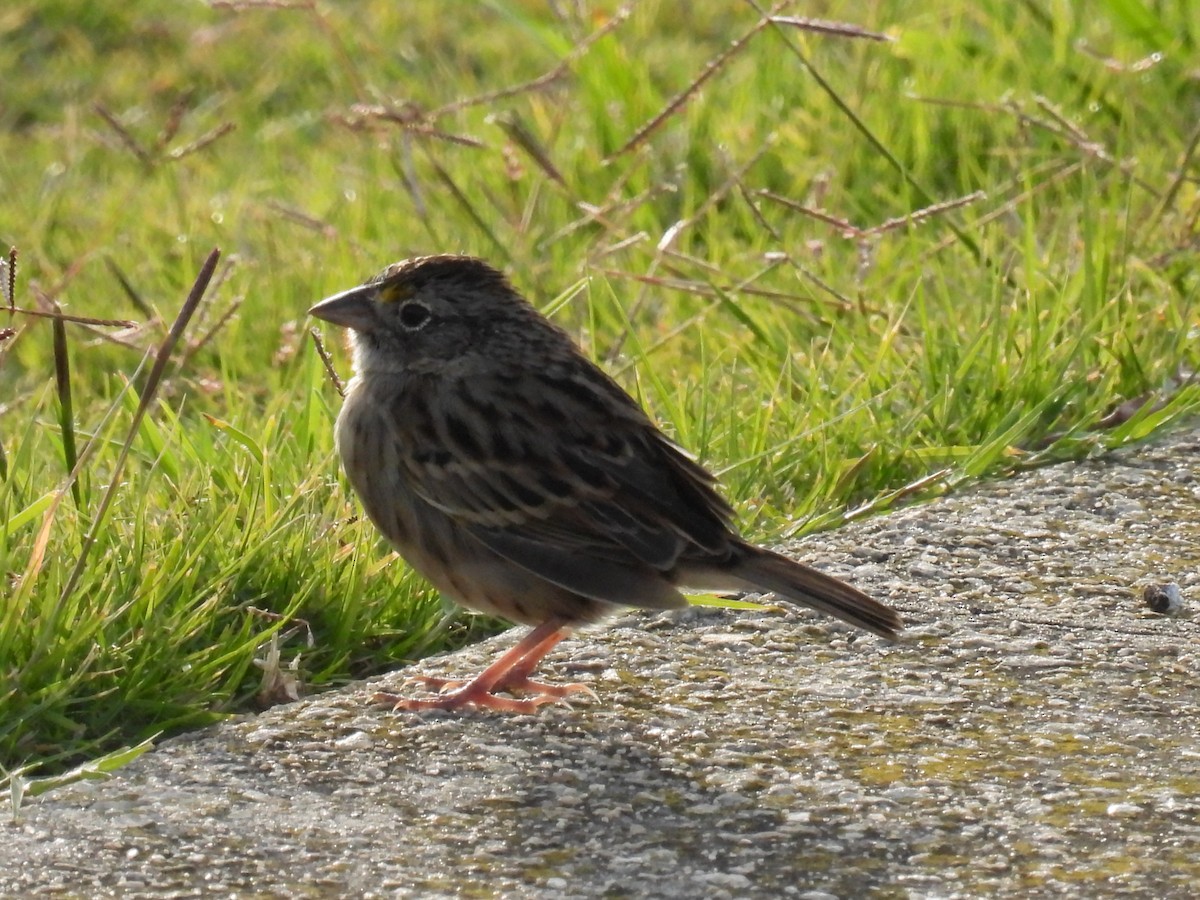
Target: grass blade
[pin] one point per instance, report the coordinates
(148, 391)
(66, 415)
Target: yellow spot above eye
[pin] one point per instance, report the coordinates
(394, 293)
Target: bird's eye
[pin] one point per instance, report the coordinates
(414, 315)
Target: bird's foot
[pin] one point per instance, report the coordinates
(474, 695)
(507, 675)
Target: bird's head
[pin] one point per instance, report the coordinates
(432, 313)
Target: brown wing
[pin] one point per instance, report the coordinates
(566, 476)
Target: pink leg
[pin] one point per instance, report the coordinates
(509, 673)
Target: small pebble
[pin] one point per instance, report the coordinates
(1166, 599)
(1123, 810)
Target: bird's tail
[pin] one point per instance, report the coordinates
(762, 570)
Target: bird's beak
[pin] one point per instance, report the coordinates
(354, 308)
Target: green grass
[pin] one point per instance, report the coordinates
(825, 365)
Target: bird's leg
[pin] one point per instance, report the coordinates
(513, 668)
(509, 673)
(517, 681)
